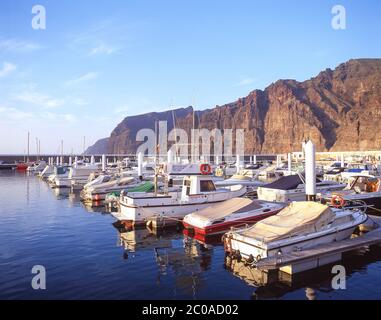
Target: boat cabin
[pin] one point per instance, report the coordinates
(195, 185)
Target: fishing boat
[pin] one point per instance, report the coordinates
(197, 192)
(300, 226)
(292, 188)
(361, 189)
(231, 213)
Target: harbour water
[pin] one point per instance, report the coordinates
(86, 257)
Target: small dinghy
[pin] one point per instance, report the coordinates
(299, 226)
(231, 213)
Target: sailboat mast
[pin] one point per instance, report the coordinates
(27, 159)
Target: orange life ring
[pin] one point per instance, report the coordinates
(205, 169)
(337, 201)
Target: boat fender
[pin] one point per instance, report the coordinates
(205, 169)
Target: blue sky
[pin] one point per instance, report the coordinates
(99, 61)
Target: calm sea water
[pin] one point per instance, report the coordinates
(86, 257)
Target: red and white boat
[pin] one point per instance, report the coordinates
(22, 166)
(235, 212)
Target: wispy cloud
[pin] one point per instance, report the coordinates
(84, 78)
(16, 45)
(245, 82)
(122, 109)
(103, 39)
(14, 114)
(7, 69)
(39, 99)
(11, 113)
(67, 117)
(102, 48)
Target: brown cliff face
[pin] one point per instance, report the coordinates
(339, 110)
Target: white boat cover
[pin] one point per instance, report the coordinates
(225, 208)
(114, 183)
(298, 218)
(239, 177)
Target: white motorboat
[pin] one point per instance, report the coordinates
(354, 168)
(78, 175)
(250, 183)
(300, 226)
(198, 192)
(95, 191)
(292, 188)
(58, 172)
(231, 213)
(37, 166)
(361, 189)
(44, 174)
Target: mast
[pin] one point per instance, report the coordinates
(37, 149)
(27, 159)
(174, 127)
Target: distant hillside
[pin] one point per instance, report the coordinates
(339, 109)
(99, 147)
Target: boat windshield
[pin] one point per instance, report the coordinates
(365, 184)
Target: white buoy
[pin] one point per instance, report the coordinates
(169, 156)
(255, 159)
(103, 162)
(92, 160)
(70, 161)
(342, 160)
(289, 161)
(310, 171)
(140, 165)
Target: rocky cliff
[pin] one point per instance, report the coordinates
(338, 109)
(98, 147)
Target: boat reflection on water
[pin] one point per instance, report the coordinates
(61, 193)
(94, 209)
(276, 284)
(186, 261)
(180, 258)
(206, 241)
(135, 239)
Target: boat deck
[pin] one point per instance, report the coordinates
(370, 238)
